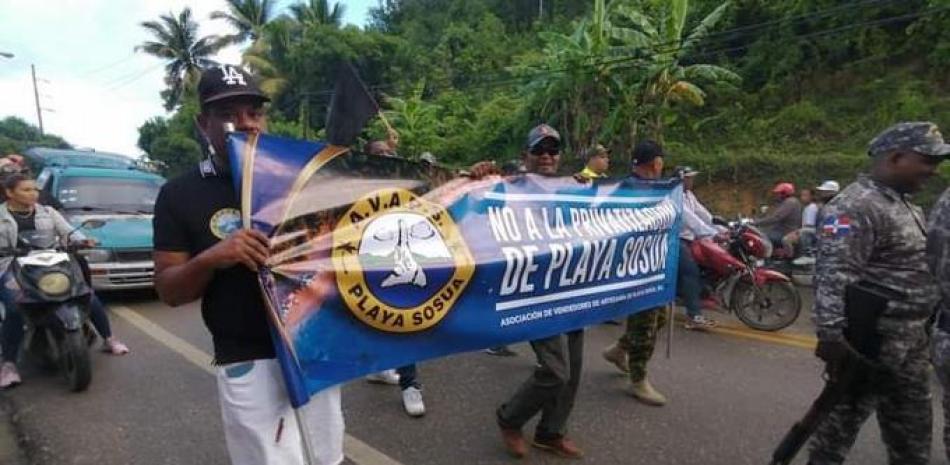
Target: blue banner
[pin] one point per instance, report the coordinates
(380, 262)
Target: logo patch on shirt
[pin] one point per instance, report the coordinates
(225, 222)
(402, 262)
(836, 226)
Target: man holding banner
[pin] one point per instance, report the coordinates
(552, 387)
(203, 252)
(634, 349)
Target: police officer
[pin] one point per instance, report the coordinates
(938, 252)
(201, 252)
(871, 232)
(631, 353)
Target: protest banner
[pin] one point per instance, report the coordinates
(380, 262)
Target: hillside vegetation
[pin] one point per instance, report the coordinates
(748, 91)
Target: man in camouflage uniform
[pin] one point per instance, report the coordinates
(938, 252)
(633, 351)
(872, 232)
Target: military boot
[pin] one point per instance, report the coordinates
(644, 392)
(616, 357)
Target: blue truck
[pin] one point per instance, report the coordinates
(109, 187)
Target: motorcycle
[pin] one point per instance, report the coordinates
(733, 273)
(53, 296)
(799, 263)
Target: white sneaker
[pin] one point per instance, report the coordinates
(806, 260)
(699, 322)
(412, 401)
(9, 377)
(389, 377)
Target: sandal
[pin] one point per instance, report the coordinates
(115, 347)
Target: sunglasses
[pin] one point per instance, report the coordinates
(538, 151)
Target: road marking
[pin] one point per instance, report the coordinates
(196, 356)
(791, 340)
(355, 450)
(798, 340)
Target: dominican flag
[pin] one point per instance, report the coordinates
(836, 226)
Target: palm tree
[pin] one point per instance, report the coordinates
(269, 57)
(247, 17)
(177, 42)
(318, 12)
(668, 80)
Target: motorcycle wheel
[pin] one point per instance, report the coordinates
(770, 307)
(76, 362)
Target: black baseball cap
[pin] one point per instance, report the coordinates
(646, 151)
(541, 132)
(226, 81)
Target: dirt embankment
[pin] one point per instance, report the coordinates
(728, 200)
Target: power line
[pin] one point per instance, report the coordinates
(132, 78)
(108, 66)
(639, 59)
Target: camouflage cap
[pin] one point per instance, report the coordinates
(595, 151)
(921, 137)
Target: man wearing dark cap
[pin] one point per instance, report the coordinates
(202, 252)
(872, 234)
(631, 353)
(553, 384)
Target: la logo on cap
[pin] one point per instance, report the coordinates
(231, 76)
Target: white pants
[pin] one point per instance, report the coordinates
(260, 427)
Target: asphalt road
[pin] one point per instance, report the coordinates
(733, 395)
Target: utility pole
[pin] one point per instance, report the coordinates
(540, 10)
(36, 96)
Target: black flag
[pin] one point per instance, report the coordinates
(350, 107)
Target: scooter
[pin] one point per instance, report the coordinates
(53, 296)
(734, 274)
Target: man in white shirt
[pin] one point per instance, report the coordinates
(697, 225)
(804, 235)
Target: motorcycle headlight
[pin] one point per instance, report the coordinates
(54, 283)
(96, 255)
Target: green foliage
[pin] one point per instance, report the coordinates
(16, 135)
(247, 17)
(177, 43)
(170, 143)
(319, 12)
(796, 99)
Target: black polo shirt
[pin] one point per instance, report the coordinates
(192, 214)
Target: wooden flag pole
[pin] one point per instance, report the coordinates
(390, 131)
(669, 337)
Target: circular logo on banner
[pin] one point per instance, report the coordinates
(224, 222)
(401, 262)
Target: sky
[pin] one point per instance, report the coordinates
(95, 89)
